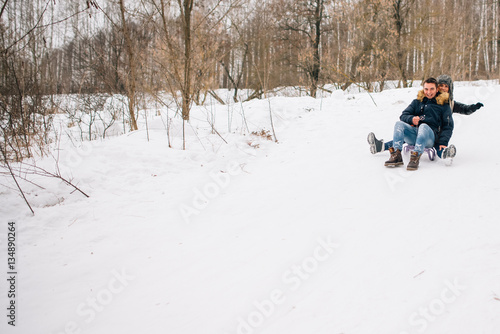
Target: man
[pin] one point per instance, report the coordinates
(426, 122)
(445, 85)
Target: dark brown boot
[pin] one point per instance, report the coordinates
(414, 160)
(396, 158)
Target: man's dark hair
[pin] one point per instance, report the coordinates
(432, 81)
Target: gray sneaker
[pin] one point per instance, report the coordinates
(376, 145)
(449, 152)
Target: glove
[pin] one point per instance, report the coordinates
(476, 106)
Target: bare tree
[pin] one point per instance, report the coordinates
(400, 10)
(306, 18)
(189, 59)
(131, 77)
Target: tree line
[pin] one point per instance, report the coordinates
(191, 48)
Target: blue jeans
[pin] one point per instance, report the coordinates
(421, 137)
(439, 153)
(388, 145)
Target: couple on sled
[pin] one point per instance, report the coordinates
(426, 124)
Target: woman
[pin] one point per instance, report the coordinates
(445, 85)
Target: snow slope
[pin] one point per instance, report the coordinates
(308, 235)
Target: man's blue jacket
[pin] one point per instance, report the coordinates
(435, 112)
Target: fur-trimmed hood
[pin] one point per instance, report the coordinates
(446, 79)
(441, 98)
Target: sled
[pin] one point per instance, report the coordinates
(431, 152)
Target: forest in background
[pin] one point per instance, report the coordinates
(191, 48)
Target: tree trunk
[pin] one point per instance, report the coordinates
(316, 65)
(131, 82)
(186, 7)
(400, 54)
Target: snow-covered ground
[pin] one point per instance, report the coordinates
(239, 234)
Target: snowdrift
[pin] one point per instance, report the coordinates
(242, 234)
